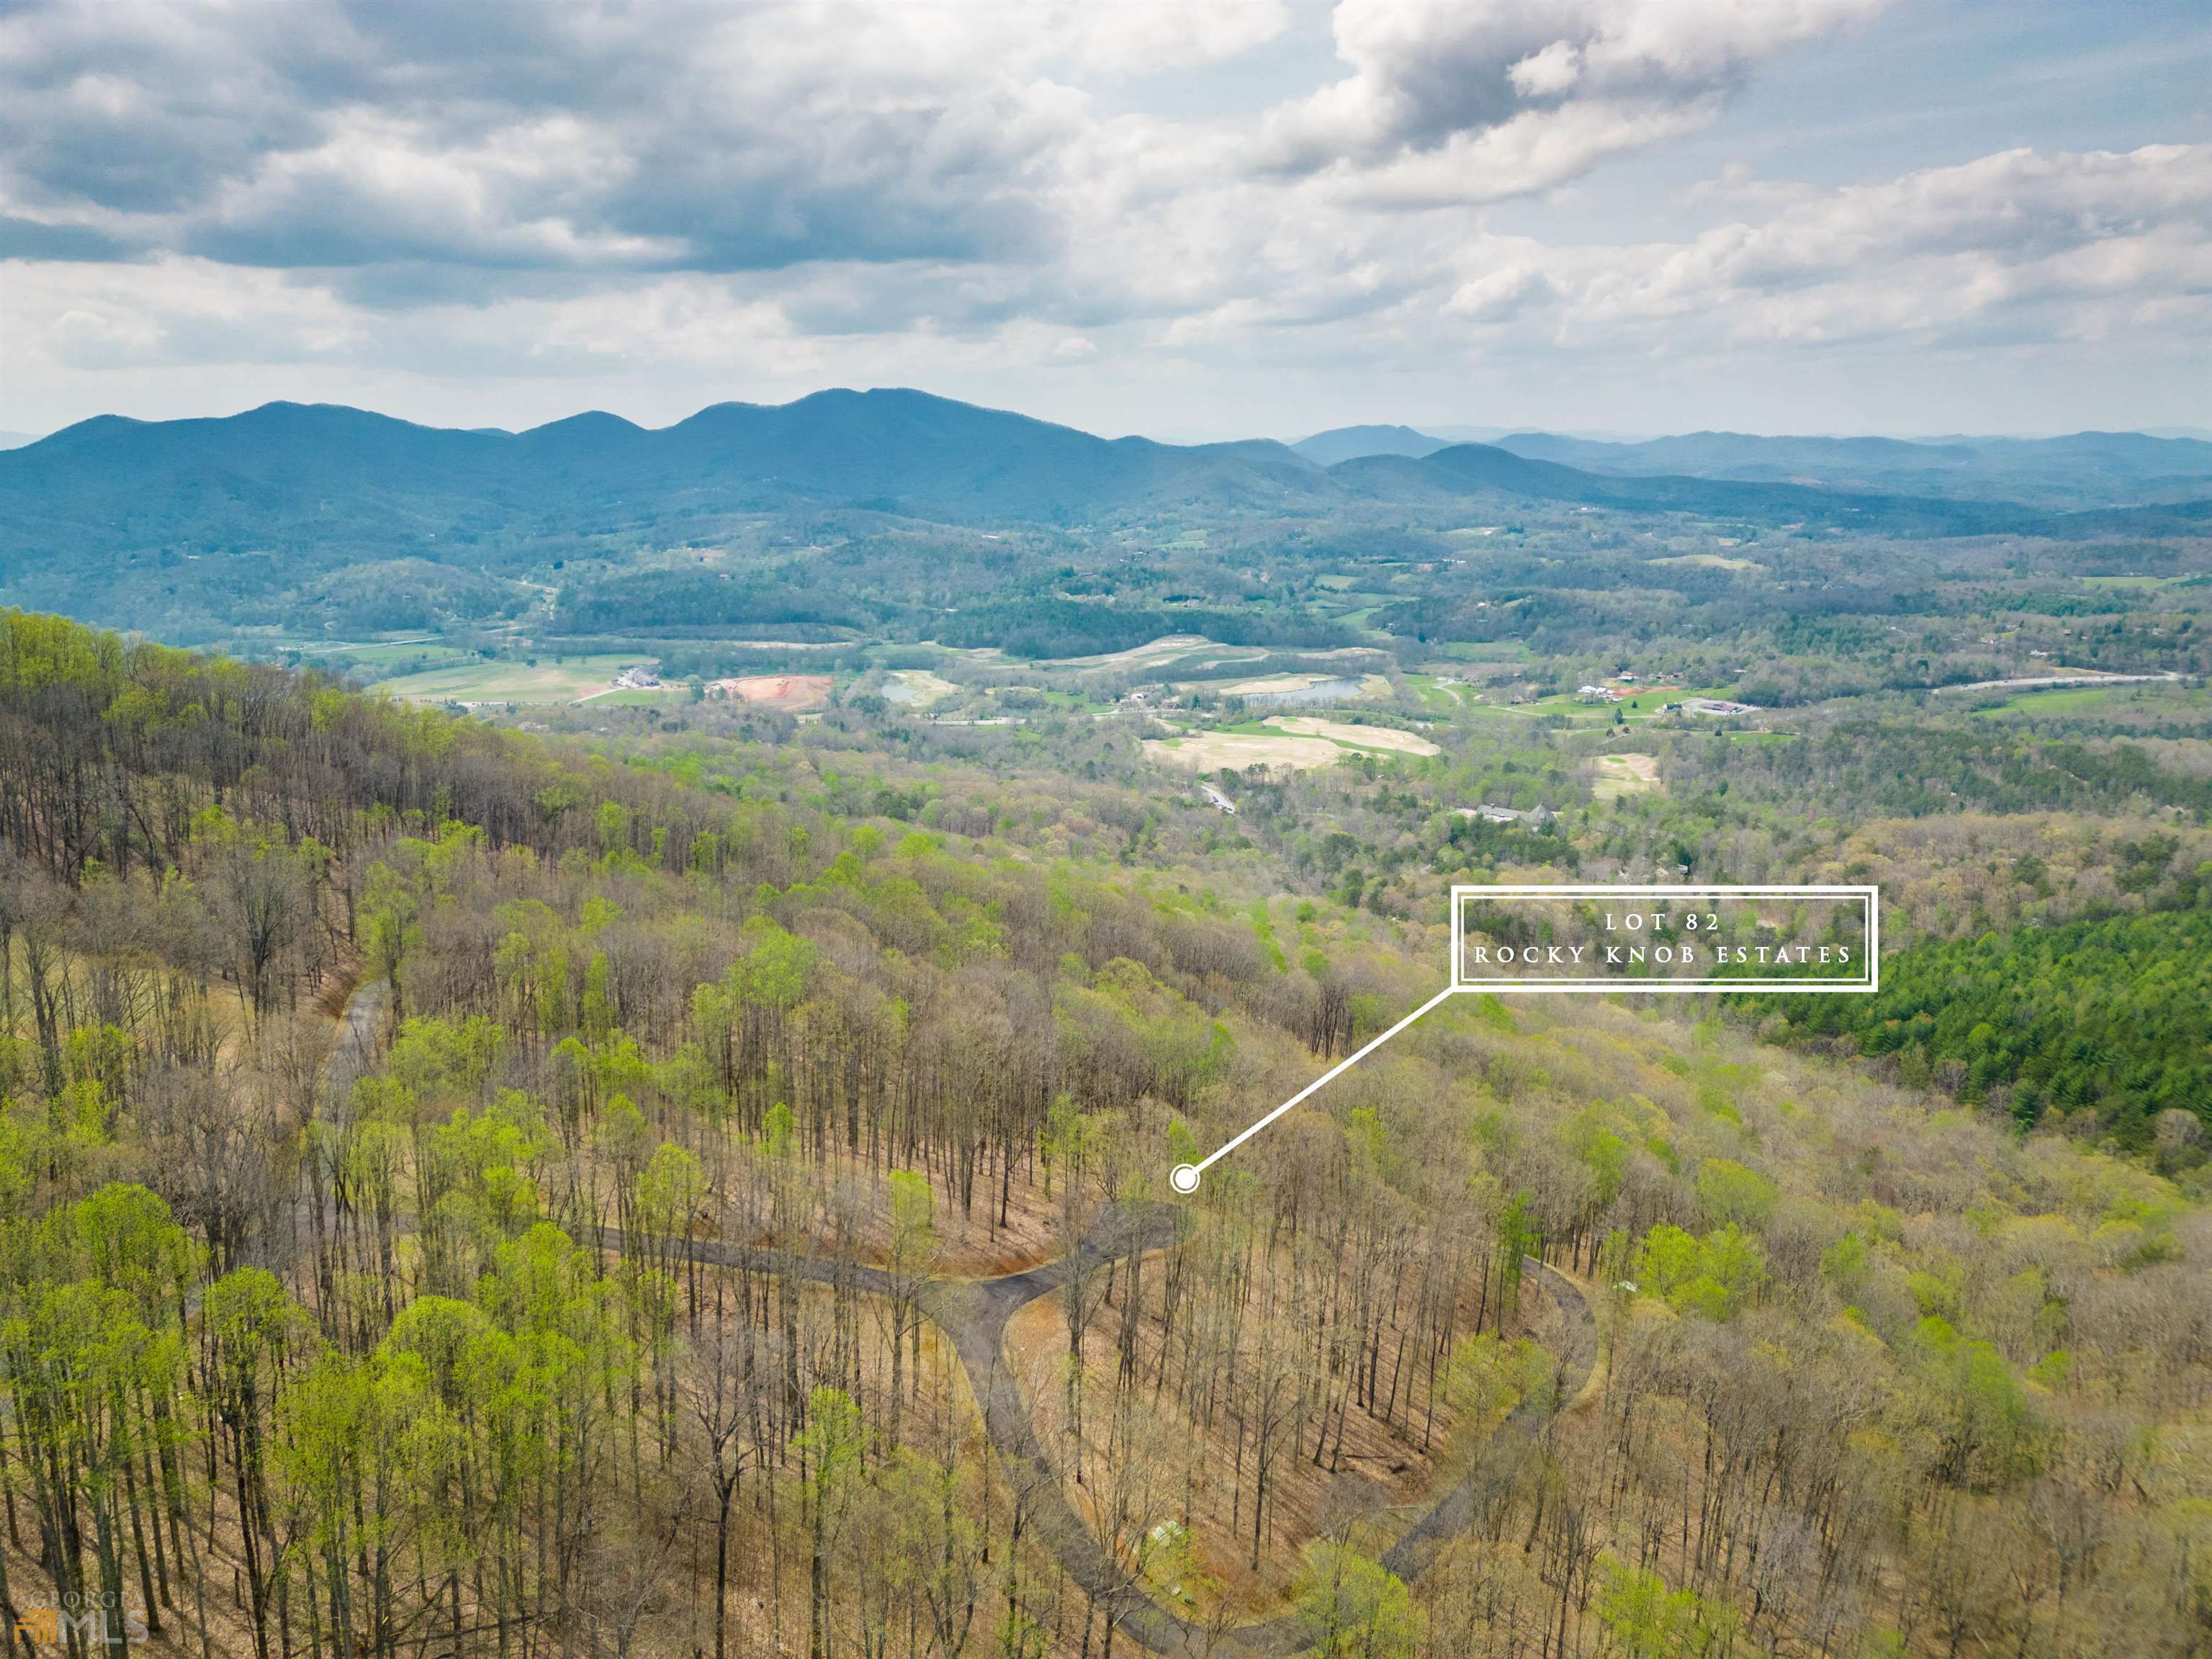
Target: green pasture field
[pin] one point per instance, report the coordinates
(502, 681)
(390, 653)
(2068, 699)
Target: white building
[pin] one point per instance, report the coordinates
(1534, 815)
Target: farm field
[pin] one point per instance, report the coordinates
(1160, 653)
(1296, 742)
(1210, 752)
(1709, 561)
(2058, 700)
(1388, 738)
(2149, 698)
(1565, 705)
(1624, 774)
(386, 654)
(499, 681)
(1437, 692)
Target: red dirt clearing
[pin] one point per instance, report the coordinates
(777, 690)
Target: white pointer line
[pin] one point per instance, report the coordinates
(1185, 1176)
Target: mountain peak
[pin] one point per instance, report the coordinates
(1348, 443)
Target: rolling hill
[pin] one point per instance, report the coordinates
(1349, 443)
(220, 523)
(283, 468)
(344, 481)
(2082, 469)
(1486, 470)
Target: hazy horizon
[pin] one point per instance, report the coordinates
(1454, 432)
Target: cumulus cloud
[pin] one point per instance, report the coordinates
(503, 136)
(2018, 242)
(1478, 103)
(1500, 294)
(699, 194)
(500, 136)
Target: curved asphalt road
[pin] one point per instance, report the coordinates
(973, 1312)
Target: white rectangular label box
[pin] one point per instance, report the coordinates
(1867, 979)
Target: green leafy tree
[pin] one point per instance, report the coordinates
(1356, 1607)
(829, 1448)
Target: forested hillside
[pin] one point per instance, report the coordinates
(316, 522)
(2063, 472)
(464, 1192)
(2111, 1017)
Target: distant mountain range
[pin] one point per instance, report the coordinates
(314, 487)
(2083, 470)
(292, 468)
(1352, 443)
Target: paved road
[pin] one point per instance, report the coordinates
(354, 1053)
(2044, 682)
(279, 1243)
(974, 1314)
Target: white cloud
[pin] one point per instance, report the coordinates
(1477, 103)
(763, 199)
(1499, 294)
(1549, 72)
(504, 138)
(2018, 243)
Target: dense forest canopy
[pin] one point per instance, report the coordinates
(2113, 1017)
(667, 1189)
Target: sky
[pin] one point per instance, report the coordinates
(1195, 221)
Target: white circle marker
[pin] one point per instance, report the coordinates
(1185, 1178)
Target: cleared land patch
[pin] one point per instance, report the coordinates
(916, 687)
(1710, 561)
(1209, 751)
(776, 690)
(1624, 774)
(1299, 742)
(1358, 737)
(2149, 695)
(496, 681)
(1272, 683)
(1163, 649)
(427, 651)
